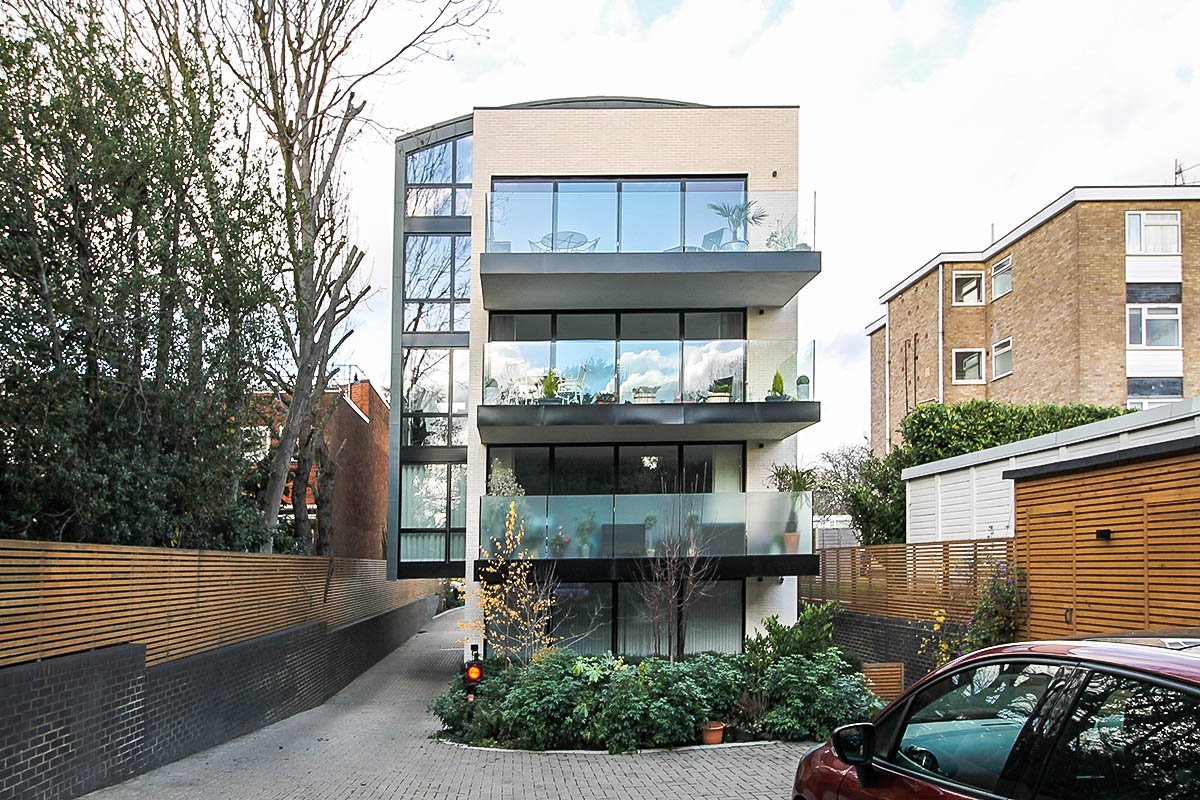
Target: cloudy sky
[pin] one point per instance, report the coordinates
(922, 124)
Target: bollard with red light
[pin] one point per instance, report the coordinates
(474, 673)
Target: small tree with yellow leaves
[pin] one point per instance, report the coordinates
(515, 605)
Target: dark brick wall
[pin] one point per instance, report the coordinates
(72, 724)
(77, 723)
(885, 639)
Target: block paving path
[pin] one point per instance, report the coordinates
(372, 741)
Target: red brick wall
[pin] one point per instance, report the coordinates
(360, 449)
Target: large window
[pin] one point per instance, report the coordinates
(433, 511)
(639, 357)
(439, 180)
(625, 469)
(1002, 358)
(433, 404)
(633, 215)
(1127, 740)
(1153, 325)
(968, 289)
(1002, 277)
(437, 283)
(990, 703)
(1152, 233)
(968, 365)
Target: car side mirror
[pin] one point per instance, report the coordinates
(855, 744)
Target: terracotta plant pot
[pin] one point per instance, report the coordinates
(712, 732)
(791, 542)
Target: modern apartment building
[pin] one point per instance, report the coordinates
(1084, 302)
(596, 298)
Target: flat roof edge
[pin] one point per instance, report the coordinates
(1115, 458)
(1077, 194)
(876, 324)
(1184, 409)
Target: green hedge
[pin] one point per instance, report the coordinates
(933, 431)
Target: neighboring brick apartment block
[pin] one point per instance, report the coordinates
(1081, 303)
(356, 433)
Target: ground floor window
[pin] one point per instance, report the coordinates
(633, 619)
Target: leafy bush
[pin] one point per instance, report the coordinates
(996, 617)
(933, 431)
(563, 700)
(810, 696)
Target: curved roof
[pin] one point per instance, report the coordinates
(461, 126)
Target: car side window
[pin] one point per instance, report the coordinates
(963, 727)
(1127, 740)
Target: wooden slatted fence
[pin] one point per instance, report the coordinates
(907, 581)
(886, 677)
(63, 598)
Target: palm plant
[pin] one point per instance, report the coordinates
(740, 215)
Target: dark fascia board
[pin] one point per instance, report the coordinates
(634, 263)
(419, 454)
(1129, 455)
(499, 424)
(431, 569)
(516, 281)
(631, 569)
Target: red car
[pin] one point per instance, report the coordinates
(1075, 720)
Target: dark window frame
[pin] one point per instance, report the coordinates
(450, 415)
(616, 448)
(454, 185)
(449, 528)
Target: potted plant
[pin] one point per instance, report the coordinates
(491, 392)
(719, 391)
(584, 533)
(558, 543)
(712, 732)
(802, 387)
(739, 216)
(651, 521)
(550, 390)
(798, 482)
(645, 394)
(777, 394)
(606, 398)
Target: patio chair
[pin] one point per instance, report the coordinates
(712, 240)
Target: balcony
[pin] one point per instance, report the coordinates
(609, 244)
(603, 537)
(673, 390)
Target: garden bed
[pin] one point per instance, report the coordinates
(787, 685)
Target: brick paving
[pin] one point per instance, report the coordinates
(372, 741)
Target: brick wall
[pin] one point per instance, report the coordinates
(1065, 315)
(884, 639)
(76, 723)
(357, 436)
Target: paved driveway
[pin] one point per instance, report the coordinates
(372, 741)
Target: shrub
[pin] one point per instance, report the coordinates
(933, 431)
(811, 695)
(536, 712)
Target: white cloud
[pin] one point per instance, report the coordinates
(921, 125)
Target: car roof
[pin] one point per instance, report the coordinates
(1148, 654)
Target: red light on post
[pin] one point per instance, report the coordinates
(474, 673)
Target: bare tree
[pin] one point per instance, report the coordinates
(680, 574)
(298, 65)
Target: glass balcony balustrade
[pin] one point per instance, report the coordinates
(627, 216)
(680, 371)
(652, 525)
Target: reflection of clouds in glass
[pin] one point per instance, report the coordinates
(706, 362)
(652, 366)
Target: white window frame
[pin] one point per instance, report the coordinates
(997, 348)
(1147, 403)
(1142, 232)
(1145, 315)
(982, 353)
(1003, 265)
(954, 276)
